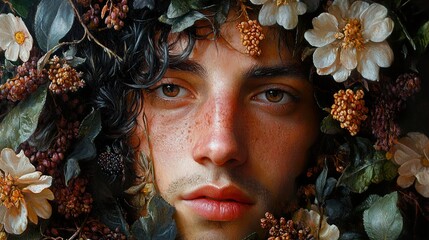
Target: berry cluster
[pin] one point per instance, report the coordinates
(94, 229)
(282, 229)
(349, 109)
(73, 200)
(251, 35)
(112, 164)
(388, 104)
(26, 81)
(63, 77)
(114, 13)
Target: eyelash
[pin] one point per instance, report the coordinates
(286, 96)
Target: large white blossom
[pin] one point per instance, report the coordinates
(351, 37)
(23, 192)
(15, 38)
(412, 154)
(318, 225)
(284, 12)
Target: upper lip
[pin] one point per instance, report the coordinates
(226, 193)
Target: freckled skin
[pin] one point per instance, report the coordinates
(223, 131)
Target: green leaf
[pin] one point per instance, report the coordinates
(178, 8)
(222, 12)
(84, 150)
(140, 4)
(158, 224)
(22, 6)
(21, 122)
(357, 179)
(369, 201)
(181, 23)
(53, 20)
(383, 219)
(320, 184)
(422, 37)
(91, 125)
(330, 126)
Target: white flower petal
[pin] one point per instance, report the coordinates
(405, 181)
(267, 14)
(287, 16)
(29, 178)
(423, 176)
(341, 74)
(339, 10)
(325, 56)
(328, 232)
(373, 14)
(39, 203)
(419, 139)
(410, 168)
(356, 9)
(422, 189)
(327, 70)
(15, 220)
(259, 2)
(15, 165)
(301, 8)
(348, 58)
(44, 182)
(325, 28)
(24, 54)
(401, 157)
(368, 68)
(12, 51)
(379, 31)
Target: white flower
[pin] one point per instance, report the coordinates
(15, 38)
(318, 225)
(23, 192)
(412, 154)
(284, 12)
(350, 37)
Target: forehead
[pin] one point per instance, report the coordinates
(274, 46)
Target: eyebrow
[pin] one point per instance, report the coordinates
(255, 72)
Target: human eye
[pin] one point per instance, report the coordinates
(170, 91)
(275, 96)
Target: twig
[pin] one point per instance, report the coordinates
(89, 35)
(78, 229)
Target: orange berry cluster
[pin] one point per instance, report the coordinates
(63, 77)
(73, 200)
(349, 109)
(251, 36)
(285, 229)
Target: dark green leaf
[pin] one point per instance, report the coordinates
(383, 219)
(91, 125)
(390, 170)
(44, 136)
(21, 122)
(357, 178)
(53, 20)
(186, 21)
(320, 184)
(222, 12)
(178, 8)
(312, 5)
(140, 4)
(84, 150)
(22, 6)
(369, 201)
(330, 126)
(351, 236)
(405, 32)
(422, 37)
(158, 224)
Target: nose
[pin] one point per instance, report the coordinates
(218, 135)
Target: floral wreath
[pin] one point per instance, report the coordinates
(370, 178)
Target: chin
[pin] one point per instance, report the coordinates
(215, 230)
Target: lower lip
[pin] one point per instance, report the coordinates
(215, 210)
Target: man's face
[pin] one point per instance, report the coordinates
(229, 134)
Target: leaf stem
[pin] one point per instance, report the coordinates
(89, 35)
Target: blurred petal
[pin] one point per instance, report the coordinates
(301, 8)
(423, 176)
(422, 189)
(410, 168)
(16, 219)
(404, 181)
(259, 2)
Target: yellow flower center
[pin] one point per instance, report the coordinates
(284, 2)
(351, 35)
(19, 37)
(10, 194)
